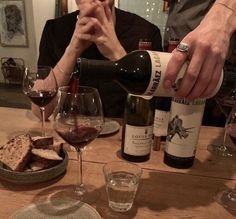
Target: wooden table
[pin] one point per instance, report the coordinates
(164, 192)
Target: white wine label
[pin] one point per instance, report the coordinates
(138, 140)
(184, 125)
(161, 122)
(159, 61)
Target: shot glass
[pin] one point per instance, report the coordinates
(122, 179)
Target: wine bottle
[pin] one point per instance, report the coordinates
(161, 119)
(140, 72)
(137, 128)
(183, 132)
(162, 110)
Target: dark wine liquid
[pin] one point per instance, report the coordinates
(40, 97)
(79, 137)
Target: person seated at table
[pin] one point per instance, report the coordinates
(97, 30)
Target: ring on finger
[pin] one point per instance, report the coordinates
(183, 47)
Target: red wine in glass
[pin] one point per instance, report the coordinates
(40, 85)
(78, 119)
(79, 137)
(41, 97)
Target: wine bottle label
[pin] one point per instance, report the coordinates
(159, 61)
(161, 122)
(138, 140)
(184, 125)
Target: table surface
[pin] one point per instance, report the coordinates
(164, 192)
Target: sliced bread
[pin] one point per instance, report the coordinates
(46, 154)
(42, 142)
(16, 153)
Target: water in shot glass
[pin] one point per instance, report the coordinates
(122, 179)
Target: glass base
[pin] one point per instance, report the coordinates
(220, 150)
(80, 190)
(227, 199)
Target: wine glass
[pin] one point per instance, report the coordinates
(225, 101)
(78, 119)
(227, 198)
(40, 85)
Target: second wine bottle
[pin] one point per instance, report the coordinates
(137, 129)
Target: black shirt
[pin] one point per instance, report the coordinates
(129, 28)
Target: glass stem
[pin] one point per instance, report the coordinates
(80, 190)
(223, 147)
(42, 109)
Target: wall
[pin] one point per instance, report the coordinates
(26, 53)
(37, 12)
(43, 10)
(151, 10)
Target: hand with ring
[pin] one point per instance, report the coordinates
(205, 49)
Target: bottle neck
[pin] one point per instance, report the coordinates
(89, 69)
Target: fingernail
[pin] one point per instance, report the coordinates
(167, 84)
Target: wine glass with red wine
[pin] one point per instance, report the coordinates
(78, 119)
(227, 198)
(40, 85)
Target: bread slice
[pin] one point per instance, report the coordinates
(46, 154)
(42, 142)
(15, 154)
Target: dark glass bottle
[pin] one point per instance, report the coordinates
(161, 119)
(183, 131)
(140, 72)
(137, 129)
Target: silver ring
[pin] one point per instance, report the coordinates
(183, 47)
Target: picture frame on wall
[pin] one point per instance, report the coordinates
(13, 28)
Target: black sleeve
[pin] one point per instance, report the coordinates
(47, 55)
(157, 40)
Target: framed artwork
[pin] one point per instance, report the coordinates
(166, 6)
(13, 31)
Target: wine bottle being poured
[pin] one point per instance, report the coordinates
(140, 72)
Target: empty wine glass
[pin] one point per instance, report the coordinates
(225, 100)
(40, 85)
(227, 198)
(78, 119)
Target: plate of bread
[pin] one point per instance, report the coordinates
(26, 159)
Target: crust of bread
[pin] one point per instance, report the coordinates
(16, 153)
(46, 154)
(42, 142)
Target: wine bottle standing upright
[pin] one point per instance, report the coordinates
(161, 120)
(137, 134)
(183, 131)
(137, 128)
(162, 111)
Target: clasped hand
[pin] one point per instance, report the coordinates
(95, 24)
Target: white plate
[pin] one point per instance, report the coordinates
(110, 126)
(57, 209)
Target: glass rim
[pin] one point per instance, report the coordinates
(88, 88)
(139, 168)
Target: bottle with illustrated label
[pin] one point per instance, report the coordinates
(140, 72)
(161, 120)
(183, 131)
(137, 128)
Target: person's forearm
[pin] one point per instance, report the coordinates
(229, 8)
(62, 72)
